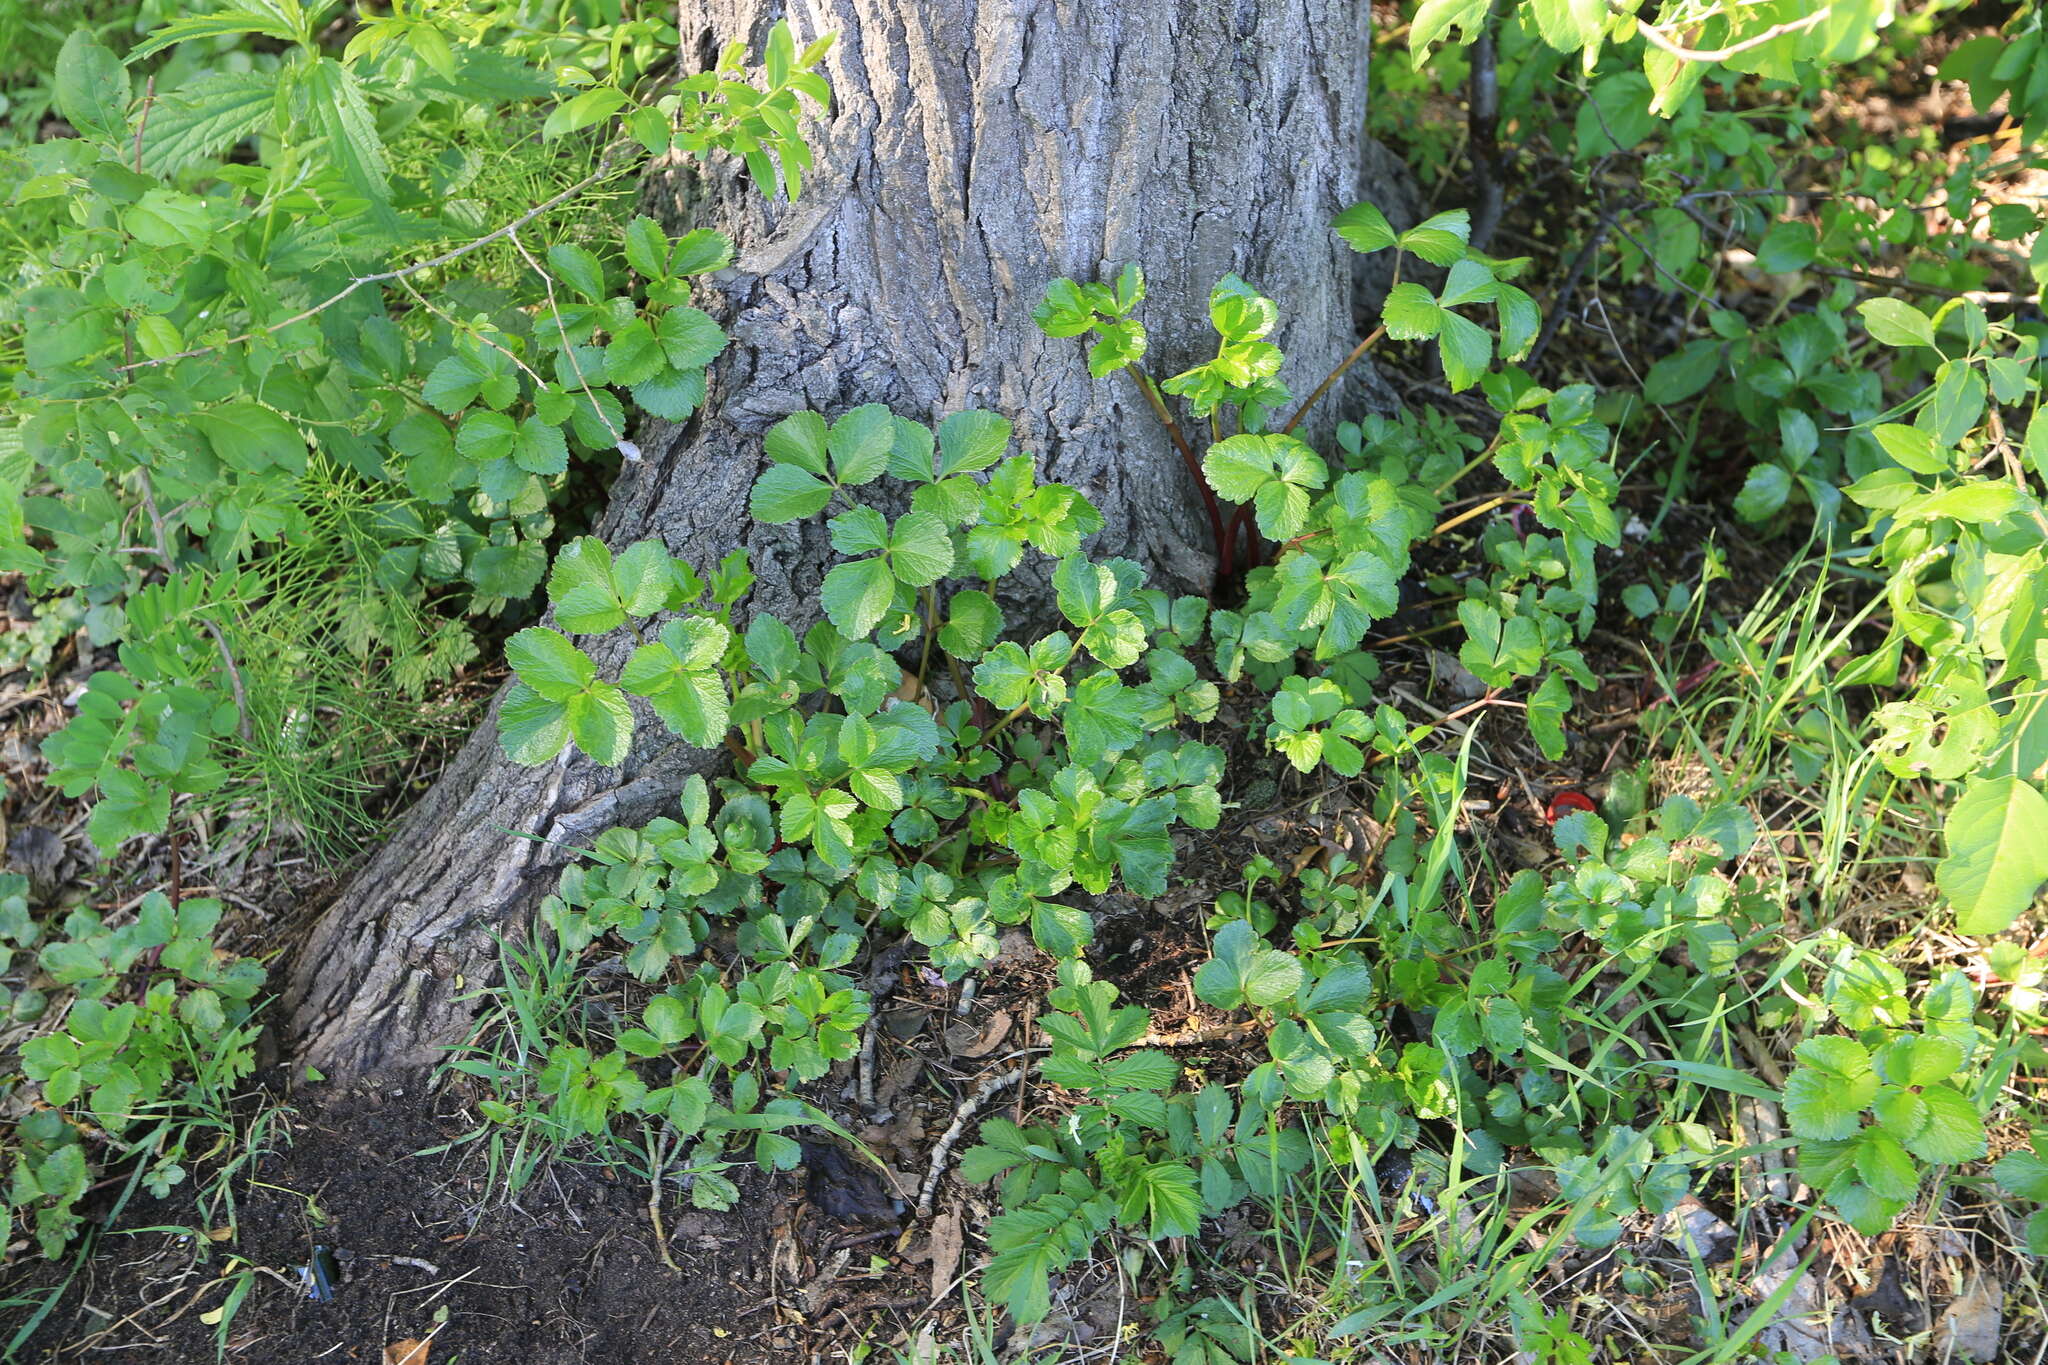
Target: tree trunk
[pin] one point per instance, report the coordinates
(973, 152)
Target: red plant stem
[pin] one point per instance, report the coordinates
(1187, 457)
(1346, 363)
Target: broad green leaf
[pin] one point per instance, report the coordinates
(634, 353)
(1466, 349)
(860, 442)
(689, 338)
(540, 448)
(202, 117)
(344, 115)
(1365, 228)
(251, 437)
(798, 440)
(920, 550)
(786, 493)
(1411, 313)
(1954, 1131)
(549, 664)
(857, 595)
(485, 435)
(580, 587)
(1786, 247)
(973, 621)
(971, 441)
(91, 86)
(601, 723)
(1440, 239)
(1820, 1105)
(578, 269)
(580, 111)
(1763, 492)
(1997, 837)
(531, 728)
(1896, 322)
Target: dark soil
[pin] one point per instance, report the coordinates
(570, 1273)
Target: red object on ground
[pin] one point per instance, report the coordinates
(1565, 801)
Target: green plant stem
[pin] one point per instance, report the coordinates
(1467, 515)
(1357, 353)
(1002, 724)
(1477, 460)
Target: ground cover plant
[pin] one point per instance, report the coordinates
(1558, 877)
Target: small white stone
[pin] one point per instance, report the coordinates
(630, 451)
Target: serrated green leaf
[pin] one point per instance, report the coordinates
(1365, 228)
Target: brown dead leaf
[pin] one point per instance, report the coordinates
(407, 1352)
(1969, 1330)
(991, 1037)
(946, 1245)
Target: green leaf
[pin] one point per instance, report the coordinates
(1469, 282)
(1570, 25)
(549, 664)
(1547, 708)
(1365, 228)
(454, 384)
(1683, 373)
(578, 269)
(634, 353)
(700, 251)
(857, 595)
(785, 493)
(485, 435)
(540, 448)
(1997, 837)
(672, 395)
(1911, 1060)
(580, 588)
(971, 441)
(251, 437)
(337, 102)
(647, 247)
(1434, 18)
(592, 106)
(601, 723)
(798, 440)
(1244, 970)
(1163, 1198)
(920, 550)
(689, 338)
(2024, 1175)
(860, 442)
(679, 677)
(1466, 349)
(1411, 313)
(1763, 492)
(202, 117)
(531, 728)
(1826, 1097)
(1896, 323)
(1102, 716)
(1954, 1132)
(973, 621)
(1440, 239)
(91, 86)
(1273, 472)
(1786, 247)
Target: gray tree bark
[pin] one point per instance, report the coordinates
(975, 149)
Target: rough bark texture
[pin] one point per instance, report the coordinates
(973, 151)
